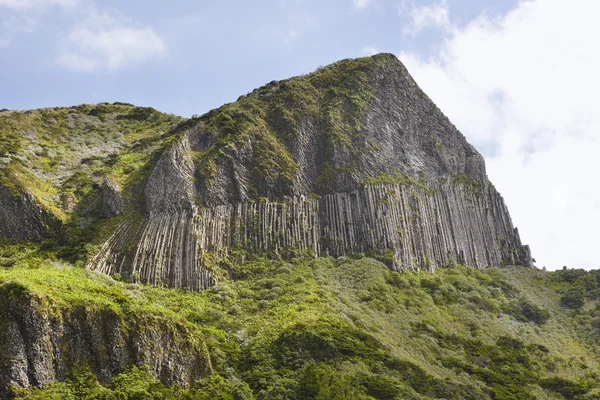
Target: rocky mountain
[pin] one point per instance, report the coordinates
(352, 158)
(287, 217)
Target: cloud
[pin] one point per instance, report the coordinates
(109, 42)
(436, 16)
(360, 4)
(22, 16)
(297, 25)
(290, 37)
(523, 87)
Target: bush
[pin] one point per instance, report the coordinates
(573, 299)
(526, 311)
(567, 388)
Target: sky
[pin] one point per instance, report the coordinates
(520, 79)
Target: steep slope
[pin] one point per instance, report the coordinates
(317, 329)
(66, 170)
(353, 158)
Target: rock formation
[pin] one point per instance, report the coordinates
(21, 217)
(111, 202)
(39, 343)
(353, 158)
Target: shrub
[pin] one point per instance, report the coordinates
(526, 311)
(567, 388)
(573, 299)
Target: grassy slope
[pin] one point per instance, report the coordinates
(351, 329)
(63, 153)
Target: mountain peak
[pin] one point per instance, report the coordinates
(351, 158)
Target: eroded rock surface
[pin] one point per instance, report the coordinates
(40, 342)
(406, 187)
(22, 217)
(111, 202)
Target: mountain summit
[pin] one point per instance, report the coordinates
(351, 159)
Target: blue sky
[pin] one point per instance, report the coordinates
(518, 78)
(212, 52)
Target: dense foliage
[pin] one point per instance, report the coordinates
(347, 329)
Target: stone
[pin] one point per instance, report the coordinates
(39, 345)
(22, 217)
(448, 211)
(111, 202)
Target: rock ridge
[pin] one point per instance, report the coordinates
(363, 162)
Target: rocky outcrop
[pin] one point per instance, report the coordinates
(40, 341)
(170, 186)
(411, 228)
(111, 201)
(22, 217)
(393, 179)
(400, 131)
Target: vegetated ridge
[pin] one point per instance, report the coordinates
(315, 329)
(286, 217)
(352, 158)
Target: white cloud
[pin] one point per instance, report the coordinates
(359, 4)
(16, 23)
(297, 25)
(108, 42)
(22, 16)
(290, 37)
(523, 88)
(423, 17)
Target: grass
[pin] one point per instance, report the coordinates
(350, 328)
(58, 153)
(399, 179)
(62, 155)
(469, 183)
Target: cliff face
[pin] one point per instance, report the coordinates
(23, 218)
(41, 340)
(353, 158)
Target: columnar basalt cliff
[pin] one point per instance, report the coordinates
(353, 158)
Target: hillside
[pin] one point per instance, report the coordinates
(351, 158)
(306, 241)
(305, 329)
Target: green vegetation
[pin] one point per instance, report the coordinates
(399, 179)
(62, 155)
(469, 183)
(347, 329)
(58, 152)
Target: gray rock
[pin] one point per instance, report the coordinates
(170, 186)
(22, 217)
(39, 344)
(461, 217)
(111, 202)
